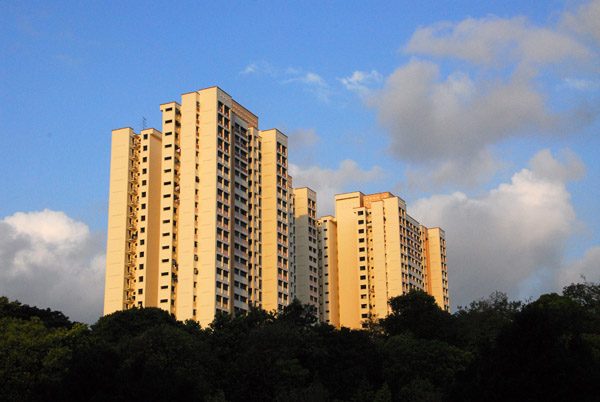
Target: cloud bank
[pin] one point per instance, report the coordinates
(50, 260)
(477, 83)
(513, 237)
(329, 182)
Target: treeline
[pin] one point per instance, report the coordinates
(492, 350)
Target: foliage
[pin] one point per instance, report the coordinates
(417, 313)
(493, 349)
(51, 319)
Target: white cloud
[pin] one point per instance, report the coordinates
(569, 167)
(361, 81)
(313, 82)
(462, 172)
(580, 84)
(496, 41)
(50, 260)
(587, 267)
(306, 78)
(312, 78)
(258, 67)
(585, 20)
(511, 238)
(429, 118)
(329, 182)
(443, 121)
(302, 138)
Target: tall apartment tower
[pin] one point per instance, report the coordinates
(379, 255)
(307, 273)
(199, 215)
(433, 245)
(329, 300)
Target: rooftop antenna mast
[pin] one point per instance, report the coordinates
(144, 123)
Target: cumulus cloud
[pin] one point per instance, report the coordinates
(584, 21)
(465, 173)
(302, 138)
(429, 118)
(587, 267)
(496, 41)
(50, 260)
(440, 120)
(511, 238)
(361, 81)
(568, 166)
(329, 182)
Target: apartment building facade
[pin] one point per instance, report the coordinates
(305, 245)
(203, 218)
(371, 251)
(200, 214)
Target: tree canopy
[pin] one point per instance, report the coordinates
(492, 349)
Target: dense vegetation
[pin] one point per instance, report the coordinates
(491, 350)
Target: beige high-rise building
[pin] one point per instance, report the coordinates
(329, 300)
(380, 254)
(200, 213)
(433, 245)
(307, 274)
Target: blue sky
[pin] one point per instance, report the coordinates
(483, 116)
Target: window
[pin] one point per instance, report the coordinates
(145, 136)
(143, 218)
(363, 286)
(164, 300)
(141, 279)
(143, 206)
(145, 147)
(141, 253)
(360, 222)
(143, 193)
(169, 133)
(144, 171)
(164, 273)
(145, 159)
(141, 266)
(140, 291)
